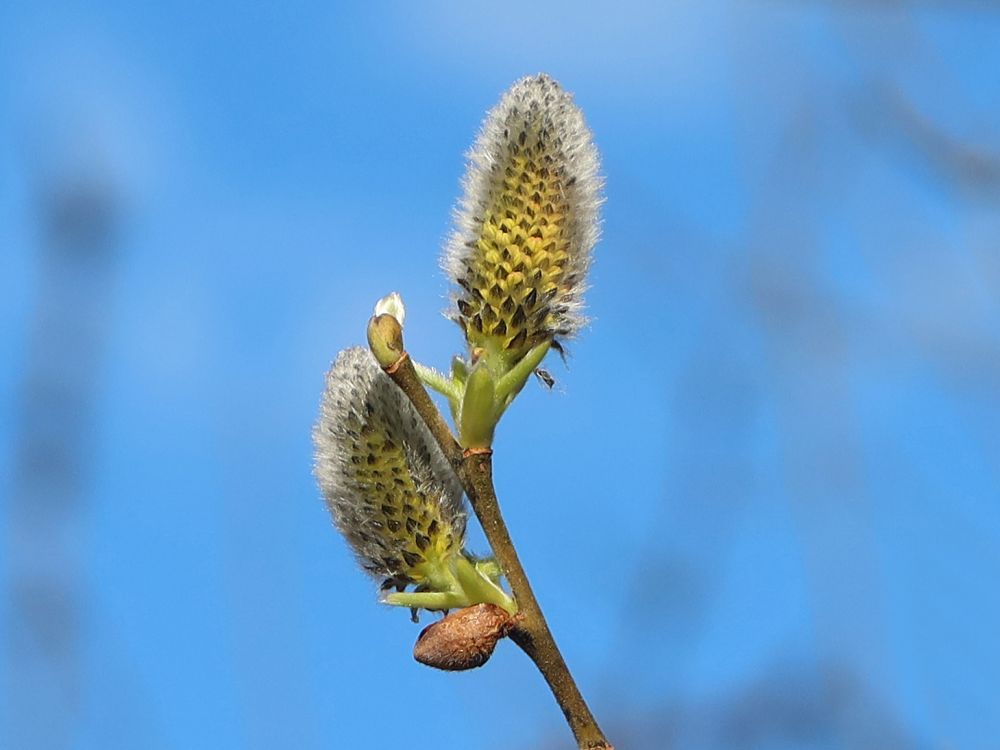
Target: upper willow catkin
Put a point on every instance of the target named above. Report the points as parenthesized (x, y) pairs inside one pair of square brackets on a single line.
[(526, 224), (390, 490)]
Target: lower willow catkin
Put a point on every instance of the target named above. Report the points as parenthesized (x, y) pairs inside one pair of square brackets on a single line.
[(391, 492), (393, 495)]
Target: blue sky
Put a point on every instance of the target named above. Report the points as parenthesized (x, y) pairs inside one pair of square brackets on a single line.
[(771, 463)]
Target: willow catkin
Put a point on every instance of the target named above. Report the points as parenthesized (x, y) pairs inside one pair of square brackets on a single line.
[(386, 483), (526, 224)]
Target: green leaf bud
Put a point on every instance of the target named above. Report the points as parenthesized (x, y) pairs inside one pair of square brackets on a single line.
[(385, 339), (385, 330)]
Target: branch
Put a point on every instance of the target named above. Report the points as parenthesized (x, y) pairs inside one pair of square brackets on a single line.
[(475, 470), (404, 374)]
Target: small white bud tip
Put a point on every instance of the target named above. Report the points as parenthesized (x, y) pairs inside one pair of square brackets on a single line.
[(391, 304)]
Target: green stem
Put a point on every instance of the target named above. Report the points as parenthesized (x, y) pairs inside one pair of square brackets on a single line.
[(437, 381)]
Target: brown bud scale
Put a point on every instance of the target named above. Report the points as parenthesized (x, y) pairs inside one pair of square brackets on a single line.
[(464, 639)]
